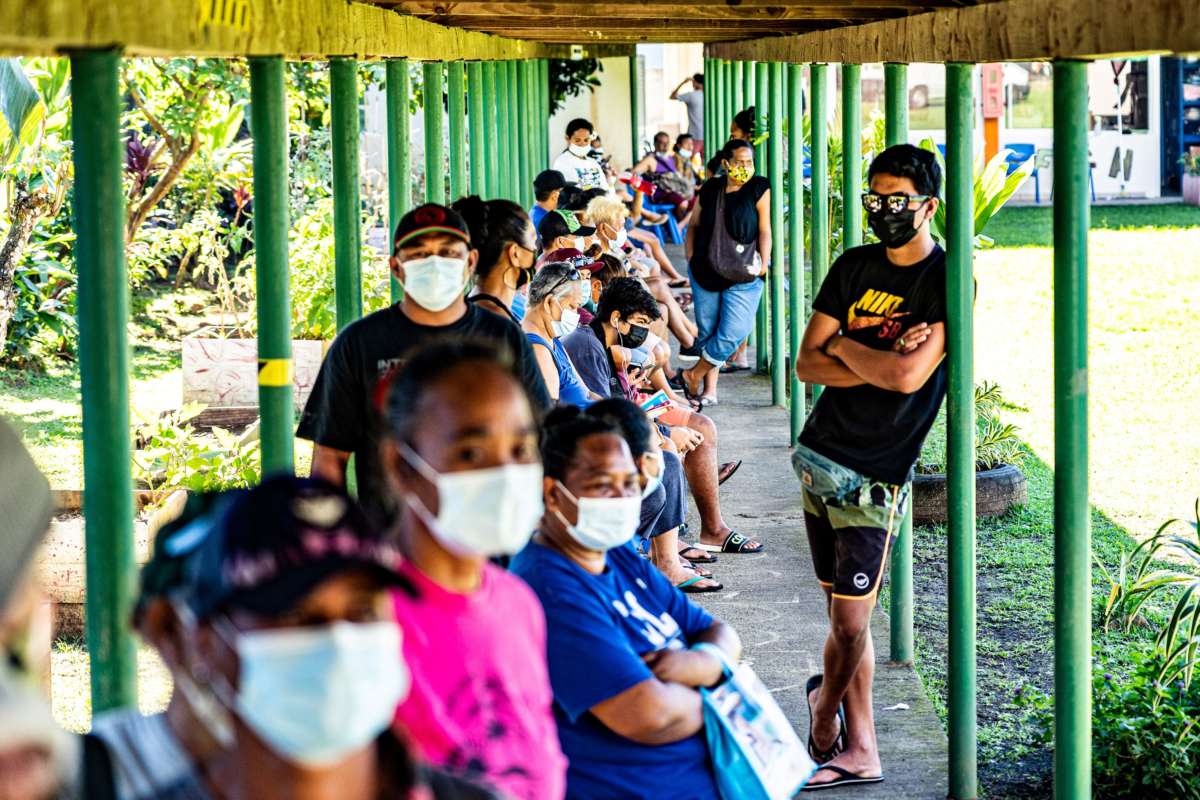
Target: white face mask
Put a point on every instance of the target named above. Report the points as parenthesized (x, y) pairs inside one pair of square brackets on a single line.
[(652, 340), (567, 323), (579, 243), (620, 239), (604, 522), (686, 155), (481, 512), (317, 695), (656, 479), (580, 150), (435, 282)]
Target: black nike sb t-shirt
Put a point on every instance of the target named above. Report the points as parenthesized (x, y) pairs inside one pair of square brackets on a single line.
[(876, 431), (342, 410)]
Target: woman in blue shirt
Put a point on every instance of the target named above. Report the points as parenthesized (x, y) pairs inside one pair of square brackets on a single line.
[(552, 312), (627, 651)]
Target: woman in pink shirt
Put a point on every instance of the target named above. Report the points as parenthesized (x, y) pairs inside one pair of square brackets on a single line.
[(462, 459)]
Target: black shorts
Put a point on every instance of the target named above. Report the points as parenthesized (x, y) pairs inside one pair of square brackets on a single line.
[(850, 540)]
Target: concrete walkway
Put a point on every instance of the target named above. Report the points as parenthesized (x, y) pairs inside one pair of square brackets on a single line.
[(774, 602)]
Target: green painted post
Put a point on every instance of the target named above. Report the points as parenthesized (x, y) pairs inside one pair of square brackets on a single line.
[(268, 126), (543, 114), (851, 156), (901, 612), (525, 112), (475, 126), (712, 84), (347, 205), (636, 111), (775, 283), (795, 239), (819, 156), (493, 127), (457, 115), (718, 99), (748, 96), (515, 133), (960, 429), (739, 93), (1072, 532), (762, 101), (103, 311), (399, 133), (435, 145)]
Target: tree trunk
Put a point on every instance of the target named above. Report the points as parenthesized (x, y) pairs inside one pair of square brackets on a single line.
[(24, 213)]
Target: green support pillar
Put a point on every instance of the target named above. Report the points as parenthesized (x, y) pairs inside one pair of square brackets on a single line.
[(399, 141), (748, 96), (543, 116), (525, 135), (739, 93), (762, 101), (851, 156), (775, 283), (347, 205), (819, 156), (268, 126), (1072, 532), (103, 311), (636, 111), (493, 128), (435, 146), (960, 430), (457, 115), (901, 612), (795, 239), (720, 104), (515, 135), (475, 129), (712, 84)]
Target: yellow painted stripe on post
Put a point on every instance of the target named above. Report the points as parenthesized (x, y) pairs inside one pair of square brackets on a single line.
[(274, 372)]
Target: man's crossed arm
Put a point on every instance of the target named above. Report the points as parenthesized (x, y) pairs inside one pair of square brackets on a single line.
[(830, 359)]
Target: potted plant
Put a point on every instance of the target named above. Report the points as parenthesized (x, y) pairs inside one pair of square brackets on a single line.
[(999, 482), (1191, 177)]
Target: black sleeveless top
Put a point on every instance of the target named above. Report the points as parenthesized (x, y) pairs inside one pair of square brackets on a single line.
[(741, 221)]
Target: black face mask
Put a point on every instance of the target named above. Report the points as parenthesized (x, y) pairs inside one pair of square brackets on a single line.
[(894, 229), (636, 336)]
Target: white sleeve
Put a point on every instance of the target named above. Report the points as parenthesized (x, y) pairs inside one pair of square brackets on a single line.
[(565, 164)]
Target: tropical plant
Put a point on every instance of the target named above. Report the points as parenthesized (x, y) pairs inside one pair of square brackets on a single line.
[(993, 186), (996, 442), (43, 323), (35, 162), (569, 78), (175, 456), (1191, 164)]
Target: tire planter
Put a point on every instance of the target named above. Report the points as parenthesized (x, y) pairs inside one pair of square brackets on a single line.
[(996, 491)]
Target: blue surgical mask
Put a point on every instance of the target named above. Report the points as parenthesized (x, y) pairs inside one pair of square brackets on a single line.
[(317, 695), (519, 304)]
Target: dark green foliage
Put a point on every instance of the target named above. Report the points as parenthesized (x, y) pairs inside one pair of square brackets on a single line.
[(570, 78)]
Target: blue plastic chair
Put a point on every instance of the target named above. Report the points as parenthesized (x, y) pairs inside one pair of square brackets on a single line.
[(669, 231), (1018, 154)]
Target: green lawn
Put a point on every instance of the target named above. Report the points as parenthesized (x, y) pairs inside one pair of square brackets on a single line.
[(1144, 449)]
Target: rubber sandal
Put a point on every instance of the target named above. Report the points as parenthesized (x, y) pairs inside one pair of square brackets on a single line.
[(839, 741), (689, 586), (729, 369), (707, 400), (702, 558), (727, 471), (734, 543), (845, 778)]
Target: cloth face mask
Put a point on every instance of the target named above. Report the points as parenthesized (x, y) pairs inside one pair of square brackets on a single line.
[(894, 229), (580, 150), (435, 282), (740, 174), (604, 522), (481, 512)]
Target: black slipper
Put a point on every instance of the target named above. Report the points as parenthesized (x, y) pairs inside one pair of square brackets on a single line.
[(729, 369), (727, 471), (839, 742), (845, 778), (703, 558)]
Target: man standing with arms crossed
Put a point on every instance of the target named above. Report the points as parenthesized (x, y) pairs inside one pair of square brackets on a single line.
[(876, 341)]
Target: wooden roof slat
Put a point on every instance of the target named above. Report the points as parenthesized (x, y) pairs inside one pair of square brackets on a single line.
[(476, 14)]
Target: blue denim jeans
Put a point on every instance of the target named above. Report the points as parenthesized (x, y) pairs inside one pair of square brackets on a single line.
[(725, 318)]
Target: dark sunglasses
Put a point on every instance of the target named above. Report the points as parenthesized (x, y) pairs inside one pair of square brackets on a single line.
[(895, 203)]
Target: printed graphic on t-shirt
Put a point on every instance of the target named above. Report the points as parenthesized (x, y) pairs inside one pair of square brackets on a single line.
[(877, 309), (589, 177), (489, 727), (662, 631)]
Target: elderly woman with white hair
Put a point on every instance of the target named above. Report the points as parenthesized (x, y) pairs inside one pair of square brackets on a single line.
[(553, 311)]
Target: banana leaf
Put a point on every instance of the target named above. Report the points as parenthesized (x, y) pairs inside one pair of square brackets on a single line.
[(21, 109)]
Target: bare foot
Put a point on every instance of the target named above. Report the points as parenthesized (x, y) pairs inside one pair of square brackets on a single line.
[(859, 762), (677, 573), (824, 731)]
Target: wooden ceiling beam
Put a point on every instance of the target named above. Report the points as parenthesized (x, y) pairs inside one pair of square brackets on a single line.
[(1012, 30), (617, 25), (475, 14), (653, 7)]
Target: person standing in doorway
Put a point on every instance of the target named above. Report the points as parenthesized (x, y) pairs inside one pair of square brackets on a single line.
[(575, 161), (694, 100), (727, 251), (876, 342)]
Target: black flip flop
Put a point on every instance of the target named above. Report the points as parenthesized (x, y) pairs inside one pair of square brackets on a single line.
[(729, 369), (703, 558), (734, 543), (845, 778), (730, 469), (689, 586), (839, 742)]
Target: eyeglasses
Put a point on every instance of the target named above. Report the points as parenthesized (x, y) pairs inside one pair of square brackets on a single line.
[(895, 203), (573, 275)]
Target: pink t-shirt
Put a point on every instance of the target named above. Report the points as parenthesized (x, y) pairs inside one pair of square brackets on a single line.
[(480, 704)]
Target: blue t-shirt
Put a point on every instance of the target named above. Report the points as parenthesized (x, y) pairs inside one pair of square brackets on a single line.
[(571, 391), (536, 214), (597, 628)]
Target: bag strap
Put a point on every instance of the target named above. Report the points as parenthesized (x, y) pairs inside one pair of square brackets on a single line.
[(98, 780)]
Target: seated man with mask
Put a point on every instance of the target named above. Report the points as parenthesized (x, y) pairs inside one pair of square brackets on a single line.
[(270, 608), (433, 259)]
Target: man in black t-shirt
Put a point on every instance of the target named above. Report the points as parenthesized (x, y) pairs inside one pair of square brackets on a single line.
[(876, 342), (432, 258)]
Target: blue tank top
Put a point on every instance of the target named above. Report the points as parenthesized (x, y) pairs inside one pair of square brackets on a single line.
[(571, 390)]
